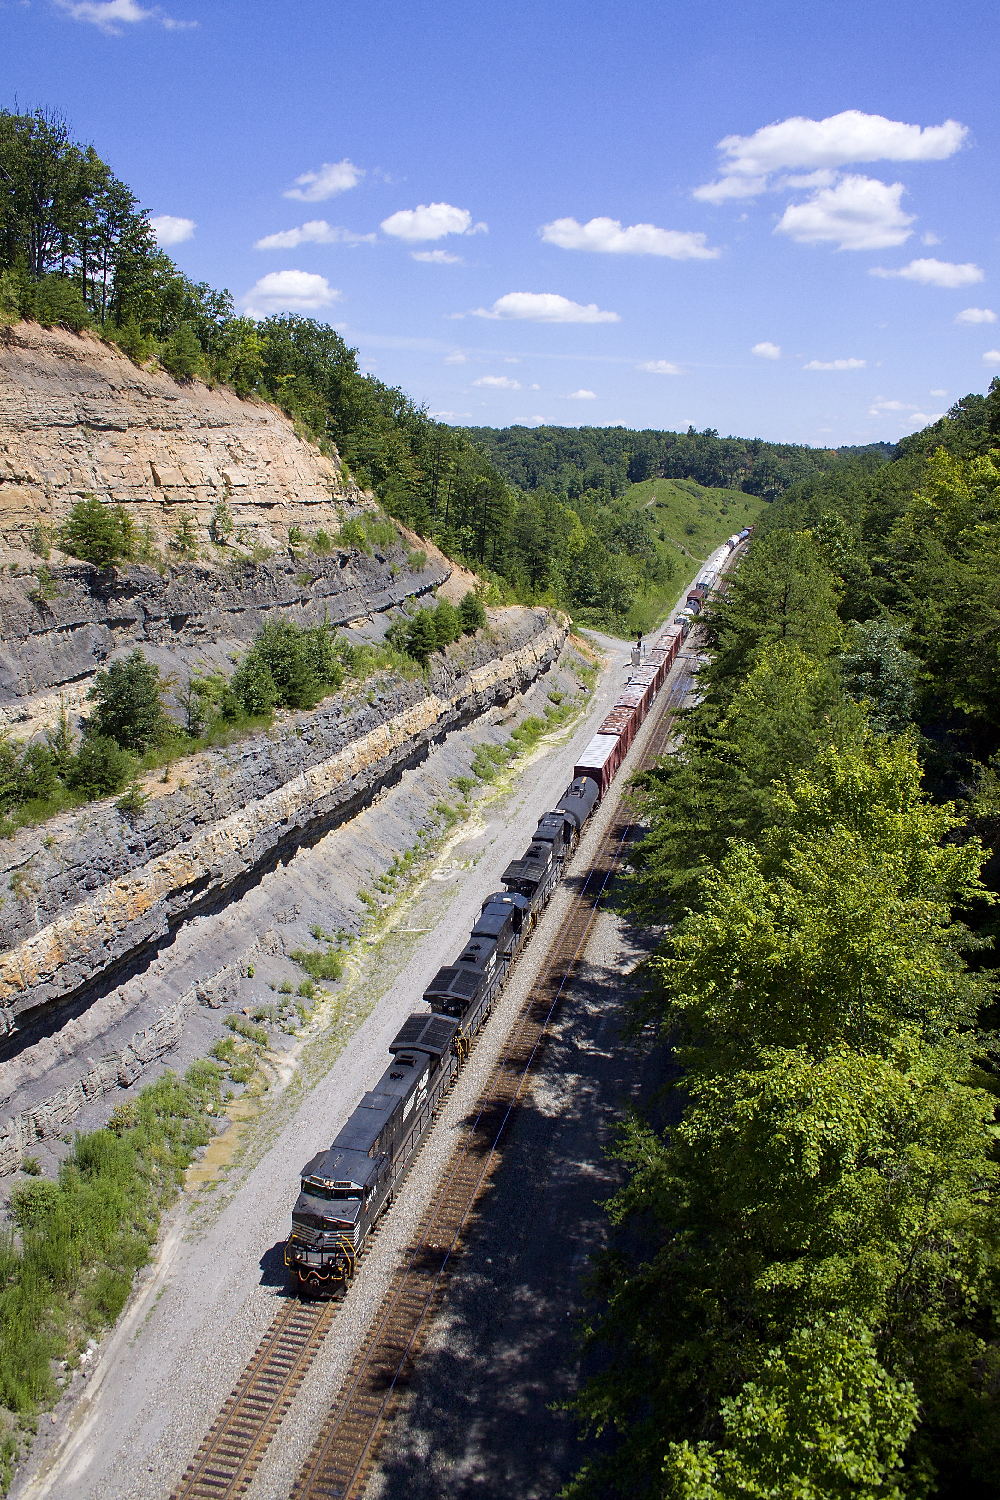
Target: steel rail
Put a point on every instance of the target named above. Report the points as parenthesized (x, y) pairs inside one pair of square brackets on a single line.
[(345, 1449)]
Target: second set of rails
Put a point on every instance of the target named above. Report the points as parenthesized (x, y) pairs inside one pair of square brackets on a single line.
[(344, 1452)]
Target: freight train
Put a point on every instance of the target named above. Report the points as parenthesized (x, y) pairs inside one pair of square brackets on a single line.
[(346, 1187)]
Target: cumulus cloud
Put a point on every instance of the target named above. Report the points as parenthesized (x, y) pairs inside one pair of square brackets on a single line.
[(436, 257), (545, 307), (582, 396), (930, 238), (835, 364), (289, 291), (976, 315), (935, 273), (766, 350), (109, 16), (939, 393), (837, 141), (170, 230), (456, 358), (315, 232), (660, 367), (731, 187), (332, 178), (607, 237), (498, 382), (924, 419), (881, 405), (991, 357), (430, 221), (860, 213)]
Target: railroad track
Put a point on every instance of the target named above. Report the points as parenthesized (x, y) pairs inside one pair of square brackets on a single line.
[(344, 1453)]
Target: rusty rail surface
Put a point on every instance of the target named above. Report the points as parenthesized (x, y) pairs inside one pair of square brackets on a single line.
[(345, 1451)]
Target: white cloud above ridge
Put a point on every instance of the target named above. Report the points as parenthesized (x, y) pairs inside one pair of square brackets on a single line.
[(332, 178), (544, 307), (607, 237), (660, 367), (930, 272), (314, 232), (456, 357), (991, 357), (766, 350), (430, 221), (170, 230), (861, 213), (582, 395), (923, 419), (110, 16), (498, 382), (289, 291), (835, 364), (436, 257), (976, 315)]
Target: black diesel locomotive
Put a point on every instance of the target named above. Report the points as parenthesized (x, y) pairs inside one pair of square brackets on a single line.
[(346, 1188)]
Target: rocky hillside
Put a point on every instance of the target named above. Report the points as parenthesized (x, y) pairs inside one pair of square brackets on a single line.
[(77, 418)]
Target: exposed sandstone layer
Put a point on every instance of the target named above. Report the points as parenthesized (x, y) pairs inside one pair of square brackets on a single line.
[(91, 889), (78, 418)]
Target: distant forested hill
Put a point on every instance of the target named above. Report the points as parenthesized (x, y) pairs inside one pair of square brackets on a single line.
[(573, 460)]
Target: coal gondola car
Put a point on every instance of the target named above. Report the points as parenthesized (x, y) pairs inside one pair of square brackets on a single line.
[(344, 1189)]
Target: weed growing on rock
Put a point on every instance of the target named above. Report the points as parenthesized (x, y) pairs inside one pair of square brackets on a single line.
[(319, 965), (80, 1240)]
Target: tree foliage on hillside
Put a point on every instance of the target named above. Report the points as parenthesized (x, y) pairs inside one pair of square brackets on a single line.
[(802, 1296)]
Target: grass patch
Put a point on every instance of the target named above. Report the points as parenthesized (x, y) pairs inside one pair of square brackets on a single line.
[(81, 1239), (319, 964)]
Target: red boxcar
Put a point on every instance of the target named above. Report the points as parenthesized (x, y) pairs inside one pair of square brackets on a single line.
[(601, 760), (622, 721)]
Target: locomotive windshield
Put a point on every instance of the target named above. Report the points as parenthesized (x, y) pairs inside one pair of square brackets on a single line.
[(313, 1190)]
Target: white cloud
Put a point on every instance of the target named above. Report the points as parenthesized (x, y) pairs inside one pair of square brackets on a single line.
[(456, 358), (582, 396), (991, 357), (609, 238), (730, 187), (881, 405), (860, 212), (110, 15), (440, 416), (534, 387), (430, 221), (315, 232), (922, 419), (498, 382), (332, 178), (767, 350), (545, 307), (938, 393), (930, 238), (289, 291), (660, 367), (835, 364), (935, 273), (976, 315), (436, 257), (837, 141), (170, 230)]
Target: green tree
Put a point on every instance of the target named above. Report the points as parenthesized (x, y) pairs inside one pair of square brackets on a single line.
[(471, 613), (447, 626), (182, 355), (101, 767), (128, 709), (421, 637), (99, 534)]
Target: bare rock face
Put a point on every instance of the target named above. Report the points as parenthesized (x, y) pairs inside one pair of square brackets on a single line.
[(77, 418)]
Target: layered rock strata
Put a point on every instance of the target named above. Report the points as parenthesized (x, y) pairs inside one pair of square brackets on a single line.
[(78, 418), (53, 642), (91, 889)]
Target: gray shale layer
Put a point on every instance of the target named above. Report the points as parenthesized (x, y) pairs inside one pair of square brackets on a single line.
[(92, 892)]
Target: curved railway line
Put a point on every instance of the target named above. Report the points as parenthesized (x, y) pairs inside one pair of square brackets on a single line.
[(345, 1450)]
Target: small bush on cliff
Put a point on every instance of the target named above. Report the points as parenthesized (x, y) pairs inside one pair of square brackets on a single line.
[(99, 534), (100, 768), (288, 666), (27, 773), (129, 710), (181, 356), (472, 613)]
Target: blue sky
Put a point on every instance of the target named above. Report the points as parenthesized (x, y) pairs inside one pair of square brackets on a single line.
[(522, 212)]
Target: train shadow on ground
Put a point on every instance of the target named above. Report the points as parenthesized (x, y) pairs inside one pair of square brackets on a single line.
[(482, 1413)]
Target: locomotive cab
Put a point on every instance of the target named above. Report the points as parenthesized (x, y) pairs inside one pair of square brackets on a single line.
[(557, 829)]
